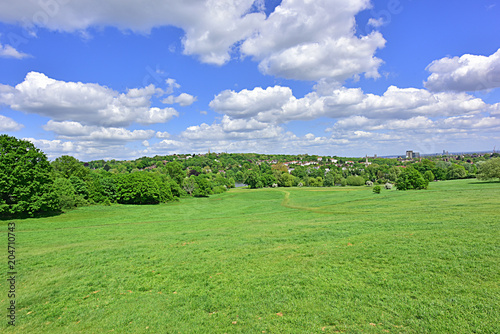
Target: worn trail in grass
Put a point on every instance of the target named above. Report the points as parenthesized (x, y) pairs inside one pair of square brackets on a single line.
[(295, 260)]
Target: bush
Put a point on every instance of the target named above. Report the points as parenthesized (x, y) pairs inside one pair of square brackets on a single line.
[(377, 189), (355, 180), (219, 189)]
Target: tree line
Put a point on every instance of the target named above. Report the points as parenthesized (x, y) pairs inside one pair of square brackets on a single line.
[(30, 184)]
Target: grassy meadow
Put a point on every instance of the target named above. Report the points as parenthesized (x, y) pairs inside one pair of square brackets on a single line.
[(283, 260)]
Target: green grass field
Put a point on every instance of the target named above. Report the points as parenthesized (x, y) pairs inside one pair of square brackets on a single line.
[(286, 260)]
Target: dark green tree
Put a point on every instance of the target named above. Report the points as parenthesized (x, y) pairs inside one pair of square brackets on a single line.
[(456, 172), (489, 169), (67, 166), (203, 188), (176, 172), (410, 178), (138, 188), (429, 176), (25, 179)]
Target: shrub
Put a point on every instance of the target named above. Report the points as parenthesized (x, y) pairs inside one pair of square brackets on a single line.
[(355, 180), (377, 189)]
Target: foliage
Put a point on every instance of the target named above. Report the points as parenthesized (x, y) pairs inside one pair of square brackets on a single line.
[(142, 188), (189, 184), (253, 180), (25, 181), (353, 180), (489, 169), (377, 189), (456, 172), (410, 178), (429, 176), (67, 196), (202, 188), (67, 166)]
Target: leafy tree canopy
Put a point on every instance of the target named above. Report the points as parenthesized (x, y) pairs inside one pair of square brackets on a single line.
[(25, 181), (410, 178), (489, 169)]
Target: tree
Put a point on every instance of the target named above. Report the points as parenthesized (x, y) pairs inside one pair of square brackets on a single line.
[(329, 179), (253, 180), (429, 176), (203, 188), (489, 169), (176, 172), (67, 195), (411, 178), (25, 179), (189, 184), (456, 172), (138, 188), (67, 166)]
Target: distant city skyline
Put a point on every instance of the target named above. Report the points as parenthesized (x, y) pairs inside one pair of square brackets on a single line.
[(122, 80)]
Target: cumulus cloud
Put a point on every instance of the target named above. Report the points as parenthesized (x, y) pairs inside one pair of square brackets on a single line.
[(86, 103), (183, 99), (305, 40), (7, 51), (211, 26), (277, 104), (464, 74), (77, 131), (251, 103), (8, 124), (310, 40)]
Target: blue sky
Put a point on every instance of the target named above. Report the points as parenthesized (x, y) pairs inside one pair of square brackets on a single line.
[(124, 79)]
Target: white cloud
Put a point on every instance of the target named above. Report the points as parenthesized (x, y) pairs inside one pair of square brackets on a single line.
[(301, 39), (376, 22), (310, 40), (8, 124), (162, 135), (171, 85), (7, 51), (183, 99), (211, 26), (77, 131), (465, 73), (251, 103), (277, 105), (86, 103)]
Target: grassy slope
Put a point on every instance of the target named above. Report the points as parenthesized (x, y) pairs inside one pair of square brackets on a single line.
[(287, 260)]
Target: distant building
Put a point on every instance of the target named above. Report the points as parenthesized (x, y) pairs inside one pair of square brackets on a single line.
[(412, 155)]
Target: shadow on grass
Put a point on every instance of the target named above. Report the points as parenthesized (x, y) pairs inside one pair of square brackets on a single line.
[(485, 181), (27, 216)]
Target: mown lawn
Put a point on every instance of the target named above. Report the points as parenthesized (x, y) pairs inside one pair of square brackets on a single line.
[(286, 260)]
